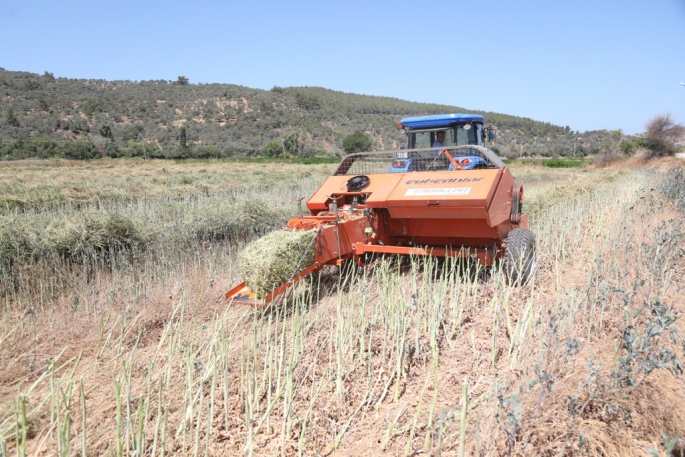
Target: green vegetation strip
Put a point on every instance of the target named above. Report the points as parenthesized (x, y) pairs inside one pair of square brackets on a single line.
[(561, 163), (297, 160)]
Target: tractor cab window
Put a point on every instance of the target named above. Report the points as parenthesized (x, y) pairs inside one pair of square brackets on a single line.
[(461, 135), (469, 134), (420, 140)]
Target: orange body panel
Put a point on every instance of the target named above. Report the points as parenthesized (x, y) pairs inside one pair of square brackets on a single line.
[(450, 189), (379, 188), (449, 208), (499, 208)]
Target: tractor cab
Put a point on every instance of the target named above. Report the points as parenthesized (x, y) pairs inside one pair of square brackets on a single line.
[(457, 130), (443, 131)]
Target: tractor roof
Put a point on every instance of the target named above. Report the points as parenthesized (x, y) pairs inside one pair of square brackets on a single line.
[(439, 120)]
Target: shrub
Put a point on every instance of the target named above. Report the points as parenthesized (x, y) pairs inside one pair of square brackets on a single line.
[(132, 149), (273, 148), (291, 143), (673, 186), (78, 150), (357, 142), (631, 146), (207, 152), (607, 158), (661, 135)]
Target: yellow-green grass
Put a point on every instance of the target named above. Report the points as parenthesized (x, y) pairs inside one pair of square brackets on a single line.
[(47, 184), (170, 209)]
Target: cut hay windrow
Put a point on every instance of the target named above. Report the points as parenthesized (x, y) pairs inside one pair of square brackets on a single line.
[(14, 244), (275, 258), (94, 232)]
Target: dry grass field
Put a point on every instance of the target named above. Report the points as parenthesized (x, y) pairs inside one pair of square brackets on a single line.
[(115, 338)]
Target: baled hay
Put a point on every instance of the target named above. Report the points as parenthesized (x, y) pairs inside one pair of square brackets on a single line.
[(273, 259)]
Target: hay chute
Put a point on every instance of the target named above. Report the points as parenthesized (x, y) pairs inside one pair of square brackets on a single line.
[(275, 258)]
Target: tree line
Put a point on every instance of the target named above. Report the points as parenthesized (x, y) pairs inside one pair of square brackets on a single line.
[(48, 116)]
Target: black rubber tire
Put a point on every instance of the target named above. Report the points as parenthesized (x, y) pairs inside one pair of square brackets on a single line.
[(519, 256)]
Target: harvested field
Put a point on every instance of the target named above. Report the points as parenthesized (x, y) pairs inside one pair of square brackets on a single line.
[(115, 338)]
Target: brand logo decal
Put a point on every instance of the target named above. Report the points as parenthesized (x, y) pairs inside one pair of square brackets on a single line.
[(437, 191), (442, 181)]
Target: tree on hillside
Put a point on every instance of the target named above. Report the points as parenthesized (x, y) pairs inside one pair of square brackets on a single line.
[(182, 138), (43, 105), (10, 118), (183, 81), (357, 142), (307, 101), (106, 131), (291, 143), (661, 135)]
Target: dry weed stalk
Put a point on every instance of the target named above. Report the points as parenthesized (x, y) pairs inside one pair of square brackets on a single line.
[(415, 356)]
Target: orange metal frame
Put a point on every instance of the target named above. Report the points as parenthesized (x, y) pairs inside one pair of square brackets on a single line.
[(242, 295), (483, 255)]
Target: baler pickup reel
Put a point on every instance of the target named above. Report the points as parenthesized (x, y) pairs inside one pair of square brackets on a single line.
[(453, 201)]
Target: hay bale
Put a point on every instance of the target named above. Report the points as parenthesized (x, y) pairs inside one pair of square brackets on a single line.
[(273, 259)]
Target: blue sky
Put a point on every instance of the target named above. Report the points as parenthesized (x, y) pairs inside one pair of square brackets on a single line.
[(587, 64)]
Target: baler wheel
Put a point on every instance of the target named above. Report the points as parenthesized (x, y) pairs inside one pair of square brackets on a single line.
[(519, 257)]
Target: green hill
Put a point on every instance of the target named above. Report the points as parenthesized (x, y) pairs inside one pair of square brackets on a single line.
[(44, 116)]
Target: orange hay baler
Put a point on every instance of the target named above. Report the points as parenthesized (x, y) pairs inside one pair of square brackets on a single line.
[(457, 200)]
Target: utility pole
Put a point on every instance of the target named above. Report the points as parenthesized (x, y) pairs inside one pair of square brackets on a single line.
[(280, 134), (142, 140)]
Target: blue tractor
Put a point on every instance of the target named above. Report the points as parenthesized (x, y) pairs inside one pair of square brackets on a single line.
[(428, 136)]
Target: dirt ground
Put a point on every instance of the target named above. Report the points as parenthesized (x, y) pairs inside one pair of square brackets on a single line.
[(584, 360)]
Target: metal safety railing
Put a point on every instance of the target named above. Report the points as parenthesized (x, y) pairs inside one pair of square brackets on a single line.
[(418, 160)]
